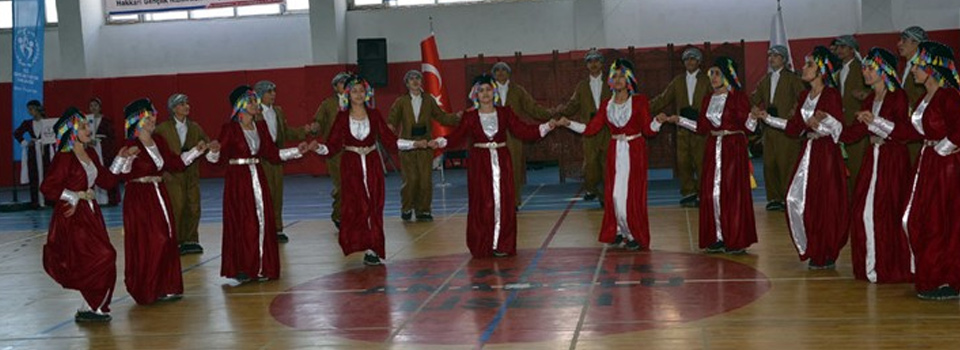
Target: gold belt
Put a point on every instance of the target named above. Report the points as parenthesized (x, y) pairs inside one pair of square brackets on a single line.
[(490, 145), (877, 140), (87, 195), (931, 143), (360, 150), (814, 135), (625, 137), (148, 179), (244, 161), (725, 132)]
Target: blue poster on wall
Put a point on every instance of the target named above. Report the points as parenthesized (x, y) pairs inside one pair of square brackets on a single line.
[(28, 26)]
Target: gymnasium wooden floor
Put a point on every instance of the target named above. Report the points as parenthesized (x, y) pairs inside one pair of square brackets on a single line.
[(563, 291)]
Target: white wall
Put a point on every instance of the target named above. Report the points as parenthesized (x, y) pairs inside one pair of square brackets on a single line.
[(492, 28), (202, 46), (645, 23), (882, 16), (933, 14)]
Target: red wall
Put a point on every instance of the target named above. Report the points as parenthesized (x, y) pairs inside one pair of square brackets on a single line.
[(300, 90)]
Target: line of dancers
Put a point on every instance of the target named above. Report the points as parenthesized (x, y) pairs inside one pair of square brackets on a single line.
[(902, 217)]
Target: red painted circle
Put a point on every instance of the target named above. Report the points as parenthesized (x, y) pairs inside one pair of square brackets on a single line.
[(434, 301)]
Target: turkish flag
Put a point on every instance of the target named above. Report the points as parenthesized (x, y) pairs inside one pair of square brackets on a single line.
[(432, 81)]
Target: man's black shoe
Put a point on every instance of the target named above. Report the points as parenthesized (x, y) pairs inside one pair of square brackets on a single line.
[(715, 247), (90, 316), (170, 297), (371, 260), (424, 217), (618, 240), (690, 201)]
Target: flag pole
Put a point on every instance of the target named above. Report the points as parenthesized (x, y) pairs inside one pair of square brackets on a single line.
[(443, 155)]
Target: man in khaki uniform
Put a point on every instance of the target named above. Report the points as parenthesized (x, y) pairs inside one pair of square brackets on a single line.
[(183, 188), (582, 107), (326, 114), (853, 90), (518, 99), (412, 116), (281, 133), (686, 92), (908, 45), (777, 93)]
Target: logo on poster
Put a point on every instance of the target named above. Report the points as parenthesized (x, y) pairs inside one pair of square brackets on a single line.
[(28, 49)]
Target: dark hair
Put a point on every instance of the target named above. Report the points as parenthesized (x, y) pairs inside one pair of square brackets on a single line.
[(65, 119), (939, 57), (728, 67), (831, 63), (622, 63), (34, 103), (130, 113), (483, 79)]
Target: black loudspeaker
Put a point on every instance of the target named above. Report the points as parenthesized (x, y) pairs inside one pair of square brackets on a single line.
[(372, 60)]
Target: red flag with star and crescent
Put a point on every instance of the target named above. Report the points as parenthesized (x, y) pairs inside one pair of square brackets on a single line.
[(432, 80)]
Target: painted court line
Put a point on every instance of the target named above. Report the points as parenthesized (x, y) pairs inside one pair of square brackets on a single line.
[(531, 196), (492, 326), (586, 303), (426, 302)]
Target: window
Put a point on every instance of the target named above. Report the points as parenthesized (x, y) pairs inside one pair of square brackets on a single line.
[(212, 13), (396, 3), (166, 16), (50, 6), (268, 9), (6, 13), (298, 5), (289, 6)]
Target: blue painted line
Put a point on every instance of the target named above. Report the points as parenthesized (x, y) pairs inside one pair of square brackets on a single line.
[(492, 326), (126, 297), (58, 326)]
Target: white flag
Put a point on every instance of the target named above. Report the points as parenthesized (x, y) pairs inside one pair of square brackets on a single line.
[(778, 36)]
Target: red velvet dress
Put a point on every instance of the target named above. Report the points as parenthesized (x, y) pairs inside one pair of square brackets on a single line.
[(489, 181), (817, 196), (932, 216), (78, 254), (626, 173), (249, 233), (879, 246), (152, 257), (726, 208), (361, 182)]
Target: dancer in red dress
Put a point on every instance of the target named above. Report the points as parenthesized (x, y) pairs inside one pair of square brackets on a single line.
[(356, 131), (880, 251), (627, 115), (931, 215), (250, 248), (726, 208), (78, 254), (817, 196), (492, 215), (151, 255)]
